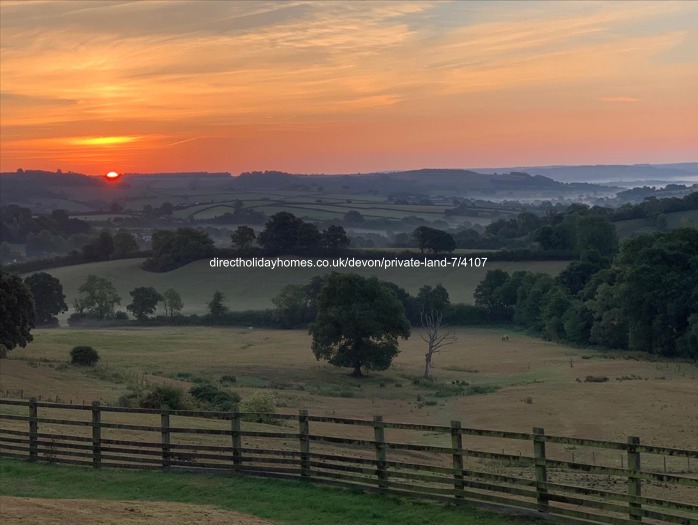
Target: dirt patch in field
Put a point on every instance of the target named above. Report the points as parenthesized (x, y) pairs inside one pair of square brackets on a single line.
[(28, 511)]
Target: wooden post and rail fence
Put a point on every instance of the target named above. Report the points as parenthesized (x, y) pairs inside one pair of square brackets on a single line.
[(326, 449)]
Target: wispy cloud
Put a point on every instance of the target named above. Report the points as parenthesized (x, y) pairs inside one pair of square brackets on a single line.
[(183, 141), (619, 99)]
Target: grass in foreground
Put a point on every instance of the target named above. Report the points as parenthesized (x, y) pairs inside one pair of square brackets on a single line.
[(283, 501)]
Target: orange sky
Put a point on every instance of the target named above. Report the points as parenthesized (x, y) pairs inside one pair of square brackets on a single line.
[(344, 87)]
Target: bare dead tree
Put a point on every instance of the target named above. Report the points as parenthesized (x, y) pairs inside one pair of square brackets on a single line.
[(435, 334)]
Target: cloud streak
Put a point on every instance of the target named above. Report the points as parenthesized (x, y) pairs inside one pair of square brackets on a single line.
[(619, 99)]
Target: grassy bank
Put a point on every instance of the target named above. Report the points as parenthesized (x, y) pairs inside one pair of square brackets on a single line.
[(282, 501)]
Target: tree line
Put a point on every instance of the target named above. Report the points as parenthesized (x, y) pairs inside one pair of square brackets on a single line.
[(643, 299)]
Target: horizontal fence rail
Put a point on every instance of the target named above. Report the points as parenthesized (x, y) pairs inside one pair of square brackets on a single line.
[(571, 479)]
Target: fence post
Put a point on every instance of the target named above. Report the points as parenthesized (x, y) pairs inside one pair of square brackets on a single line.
[(634, 483), (304, 436), (381, 456), (457, 446), (237, 438), (96, 435), (33, 430), (541, 469), (165, 427)]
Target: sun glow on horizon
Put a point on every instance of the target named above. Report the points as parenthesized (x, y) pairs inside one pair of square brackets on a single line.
[(101, 141), (112, 175)]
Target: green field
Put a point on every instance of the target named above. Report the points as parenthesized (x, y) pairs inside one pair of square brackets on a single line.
[(632, 227), (254, 288), (309, 208), (288, 502)]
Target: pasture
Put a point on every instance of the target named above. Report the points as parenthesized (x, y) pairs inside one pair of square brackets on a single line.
[(525, 382), (254, 288), (482, 381)]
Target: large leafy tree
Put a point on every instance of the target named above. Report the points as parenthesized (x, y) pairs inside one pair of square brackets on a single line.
[(296, 305), (124, 243), (99, 298), (358, 324), (172, 302), (488, 295), (433, 240), (17, 315), (101, 248), (334, 240), (658, 289), (531, 298), (145, 301), (433, 299), (49, 299), (281, 234), (217, 310), (172, 249), (243, 237)]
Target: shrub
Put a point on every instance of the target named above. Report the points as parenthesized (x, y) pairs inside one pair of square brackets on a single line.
[(262, 405), (158, 396), (595, 379), (480, 390), (84, 356), (214, 398), (130, 400)]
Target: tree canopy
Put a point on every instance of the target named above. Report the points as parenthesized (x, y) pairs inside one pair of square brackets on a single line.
[(98, 298), (433, 240), (17, 314), (172, 249), (216, 308), (172, 302), (433, 299), (286, 234), (243, 237), (646, 300), (49, 299), (358, 323), (145, 301)]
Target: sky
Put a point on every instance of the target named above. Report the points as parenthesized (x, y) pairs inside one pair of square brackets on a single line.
[(345, 87)]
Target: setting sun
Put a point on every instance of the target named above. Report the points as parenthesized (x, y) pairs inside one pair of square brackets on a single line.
[(112, 175)]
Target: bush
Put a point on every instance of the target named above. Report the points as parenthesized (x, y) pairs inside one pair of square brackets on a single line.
[(130, 400), (214, 398), (84, 356), (158, 396), (262, 405), (595, 379)]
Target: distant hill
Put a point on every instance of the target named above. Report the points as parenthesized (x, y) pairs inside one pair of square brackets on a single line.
[(639, 173), (37, 188), (416, 181)]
